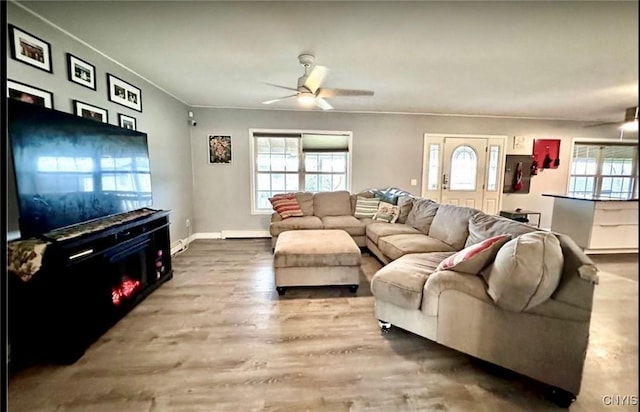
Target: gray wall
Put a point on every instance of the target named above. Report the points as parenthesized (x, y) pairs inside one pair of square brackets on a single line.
[(164, 118), (387, 151)]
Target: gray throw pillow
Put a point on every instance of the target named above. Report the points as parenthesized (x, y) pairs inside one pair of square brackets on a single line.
[(422, 213)]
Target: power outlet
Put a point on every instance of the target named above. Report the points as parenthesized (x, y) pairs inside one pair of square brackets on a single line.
[(187, 223), (414, 182)]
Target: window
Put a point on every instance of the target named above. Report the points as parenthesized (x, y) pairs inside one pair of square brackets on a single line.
[(464, 166), (434, 166), (604, 169), (291, 162), (492, 176)]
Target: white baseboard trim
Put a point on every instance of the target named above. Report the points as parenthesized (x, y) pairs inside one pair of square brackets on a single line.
[(182, 244), (240, 234), (207, 235)]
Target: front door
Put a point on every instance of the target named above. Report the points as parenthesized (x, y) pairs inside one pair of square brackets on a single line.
[(464, 170), (463, 167)]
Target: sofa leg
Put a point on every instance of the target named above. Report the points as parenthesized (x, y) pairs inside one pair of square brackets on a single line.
[(562, 398), (281, 290), (353, 288), (384, 326)]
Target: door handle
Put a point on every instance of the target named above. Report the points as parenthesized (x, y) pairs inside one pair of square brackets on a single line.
[(444, 181)]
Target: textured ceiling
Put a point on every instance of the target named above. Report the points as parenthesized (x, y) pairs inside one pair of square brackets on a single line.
[(559, 60)]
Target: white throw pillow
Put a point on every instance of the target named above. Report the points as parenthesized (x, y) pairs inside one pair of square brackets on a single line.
[(387, 212), (526, 271)]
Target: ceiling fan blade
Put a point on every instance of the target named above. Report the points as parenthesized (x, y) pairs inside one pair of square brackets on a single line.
[(282, 87), (323, 104), (315, 78), (343, 92), (281, 98), (602, 124)]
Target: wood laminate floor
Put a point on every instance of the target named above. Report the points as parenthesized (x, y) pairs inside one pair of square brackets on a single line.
[(218, 338)]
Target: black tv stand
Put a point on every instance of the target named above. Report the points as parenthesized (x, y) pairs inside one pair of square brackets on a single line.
[(91, 276)]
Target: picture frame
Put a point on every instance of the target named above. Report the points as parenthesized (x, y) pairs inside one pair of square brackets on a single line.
[(29, 49), (124, 93), (89, 111), (219, 149), (546, 153), (127, 122), (81, 71), (29, 94)]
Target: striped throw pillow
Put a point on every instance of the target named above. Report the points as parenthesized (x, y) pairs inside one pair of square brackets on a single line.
[(366, 207), (476, 257), (286, 206)]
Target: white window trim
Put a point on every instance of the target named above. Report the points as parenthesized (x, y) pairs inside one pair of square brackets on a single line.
[(252, 159)]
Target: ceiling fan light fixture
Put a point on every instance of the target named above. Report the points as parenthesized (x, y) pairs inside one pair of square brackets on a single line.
[(306, 99), (631, 119)]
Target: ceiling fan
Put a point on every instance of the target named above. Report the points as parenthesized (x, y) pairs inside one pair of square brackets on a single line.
[(309, 91), (630, 120), (630, 123)]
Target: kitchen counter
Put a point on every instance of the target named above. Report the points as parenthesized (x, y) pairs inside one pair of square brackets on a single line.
[(592, 198), (597, 224)]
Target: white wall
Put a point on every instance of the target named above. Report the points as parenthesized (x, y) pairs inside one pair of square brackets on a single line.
[(163, 118), (387, 151)]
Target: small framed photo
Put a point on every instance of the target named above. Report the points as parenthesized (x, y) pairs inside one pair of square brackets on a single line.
[(81, 72), (124, 93), (127, 122), (29, 49), (219, 149), (90, 112), (29, 94)]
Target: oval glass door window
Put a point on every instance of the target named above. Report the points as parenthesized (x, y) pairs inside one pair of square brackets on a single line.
[(464, 167)]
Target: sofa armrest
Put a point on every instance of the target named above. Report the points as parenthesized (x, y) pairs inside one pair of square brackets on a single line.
[(579, 276), (275, 217)]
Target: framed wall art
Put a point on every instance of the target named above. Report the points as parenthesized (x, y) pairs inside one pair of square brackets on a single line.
[(81, 72), (219, 149), (29, 94), (546, 153), (124, 93), (29, 49), (127, 122), (90, 112)]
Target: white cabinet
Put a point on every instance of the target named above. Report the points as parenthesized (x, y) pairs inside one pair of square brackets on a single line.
[(598, 226)]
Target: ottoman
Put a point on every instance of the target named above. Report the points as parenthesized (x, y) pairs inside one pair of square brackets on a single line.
[(315, 258)]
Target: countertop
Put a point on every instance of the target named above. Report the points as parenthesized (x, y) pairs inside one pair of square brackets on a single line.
[(592, 198)]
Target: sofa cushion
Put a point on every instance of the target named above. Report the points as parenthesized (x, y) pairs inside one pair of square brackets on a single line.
[(332, 204), (387, 213), (366, 207), (286, 206), (401, 281), (395, 246), (376, 230), (349, 224), (451, 224), (295, 223), (405, 204), (526, 271), (422, 213), (476, 257), (483, 226), (305, 199)]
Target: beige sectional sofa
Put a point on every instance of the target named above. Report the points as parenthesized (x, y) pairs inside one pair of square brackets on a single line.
[(529, 311)]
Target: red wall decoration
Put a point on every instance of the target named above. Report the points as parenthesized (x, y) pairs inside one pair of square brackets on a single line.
[(546, 153)]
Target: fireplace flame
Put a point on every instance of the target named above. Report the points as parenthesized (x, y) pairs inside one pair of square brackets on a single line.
[(125, 290)]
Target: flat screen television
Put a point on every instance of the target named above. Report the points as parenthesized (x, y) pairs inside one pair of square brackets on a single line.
[(70, 170)]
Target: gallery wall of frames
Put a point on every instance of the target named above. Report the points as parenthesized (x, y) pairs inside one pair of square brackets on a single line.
[(32, 50)]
